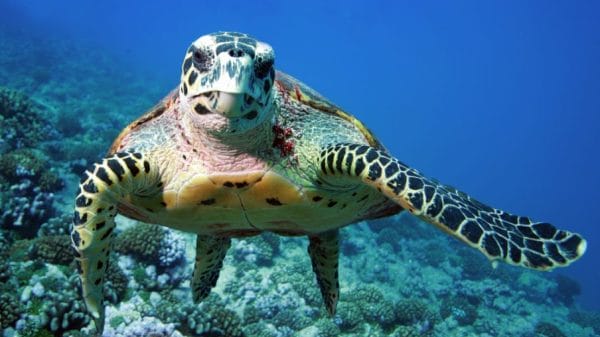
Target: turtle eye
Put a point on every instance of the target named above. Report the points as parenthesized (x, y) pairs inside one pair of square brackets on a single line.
[(263, 67), (202, 59)]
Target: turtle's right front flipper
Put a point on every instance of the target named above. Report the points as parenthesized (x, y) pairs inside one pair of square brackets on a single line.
[(93, 222), (499, 235)]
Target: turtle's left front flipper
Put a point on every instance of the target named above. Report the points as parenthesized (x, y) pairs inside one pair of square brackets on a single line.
[(100, 191), (497, 234)]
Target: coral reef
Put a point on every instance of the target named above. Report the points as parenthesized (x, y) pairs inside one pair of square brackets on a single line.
[(327, 328), (209, 318), (259, 249), (151, 244), (348, 316), (397, 275), (145, 327), (29, 164), (548, 330), (21, 121), (5, 243), (53, 249), (142, 241), (62, 309), (460, 309), (58, 225), (389, 236), (27, 195), (567, 288), (474, 265), (25, 207), (10, 310), (406, 331), (414, 312), (115, 287), (587, 319), (434, 254)]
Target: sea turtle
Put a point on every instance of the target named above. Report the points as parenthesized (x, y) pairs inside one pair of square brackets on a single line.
[(240, 148)]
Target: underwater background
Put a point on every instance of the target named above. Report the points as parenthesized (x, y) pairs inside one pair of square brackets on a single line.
[(499, 99)]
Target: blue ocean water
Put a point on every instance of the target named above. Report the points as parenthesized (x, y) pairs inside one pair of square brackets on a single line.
[(499, 99)]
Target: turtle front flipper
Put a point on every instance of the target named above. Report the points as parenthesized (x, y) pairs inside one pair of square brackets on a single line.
[(499, 235), (210, 252), (100, 191)]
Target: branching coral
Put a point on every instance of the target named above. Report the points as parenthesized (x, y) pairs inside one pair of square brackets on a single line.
[(145, 327), (369, 303), (259, 329), (58, 225), (53, 249), (259, 249), (327, 328), (26, 201), (405, 331), (413, 311), (382, 314), (10, 310), (22, 163), (64, 310), (142, 241), (152, 244), (214, 322), (209, 318), (289, 318), (115, 287), (548, 330), (464, 312), (348, 316), (20, 120), (5, 244)]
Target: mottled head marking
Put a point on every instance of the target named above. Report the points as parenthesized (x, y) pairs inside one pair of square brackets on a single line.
[(229, 74)]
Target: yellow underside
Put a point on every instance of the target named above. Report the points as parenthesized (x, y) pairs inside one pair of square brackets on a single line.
[(245, 204)]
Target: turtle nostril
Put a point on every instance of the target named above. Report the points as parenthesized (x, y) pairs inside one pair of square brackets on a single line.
[(248, 99), (236, 52)]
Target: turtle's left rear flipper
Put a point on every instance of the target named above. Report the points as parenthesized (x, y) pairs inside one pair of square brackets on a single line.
[(497, 234), (324, 251), (210, 252)]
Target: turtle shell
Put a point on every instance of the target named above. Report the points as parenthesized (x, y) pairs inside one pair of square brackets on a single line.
[(302, 93)]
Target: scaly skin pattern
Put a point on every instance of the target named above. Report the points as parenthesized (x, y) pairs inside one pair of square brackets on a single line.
[(239, 148)]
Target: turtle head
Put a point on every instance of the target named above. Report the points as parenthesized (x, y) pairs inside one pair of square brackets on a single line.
[(227, 82)]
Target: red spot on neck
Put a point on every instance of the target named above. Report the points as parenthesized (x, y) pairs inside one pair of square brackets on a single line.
[(281, 142)]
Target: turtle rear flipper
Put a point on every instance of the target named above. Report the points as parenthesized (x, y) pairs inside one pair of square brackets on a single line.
[(324, 251), (210, 252), (100, 191), (497, 234)]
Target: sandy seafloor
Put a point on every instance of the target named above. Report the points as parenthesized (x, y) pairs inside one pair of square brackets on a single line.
[(61, 107)]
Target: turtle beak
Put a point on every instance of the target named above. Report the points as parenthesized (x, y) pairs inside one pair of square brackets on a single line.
[(230, 105)]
